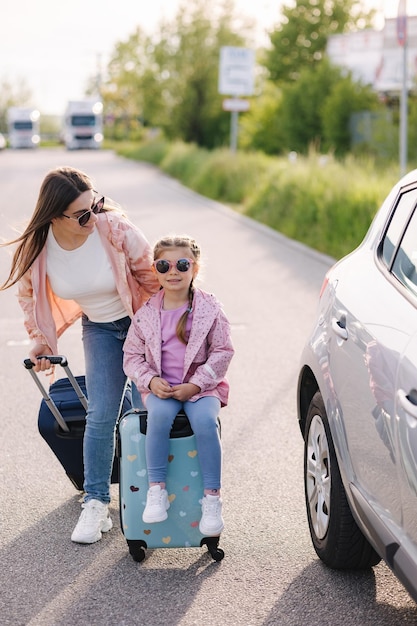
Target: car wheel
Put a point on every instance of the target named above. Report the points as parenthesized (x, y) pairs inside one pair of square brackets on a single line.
[(336, 537)]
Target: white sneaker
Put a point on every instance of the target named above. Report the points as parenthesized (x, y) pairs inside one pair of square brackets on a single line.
[(93, 521), (157, 504), (211, 523)]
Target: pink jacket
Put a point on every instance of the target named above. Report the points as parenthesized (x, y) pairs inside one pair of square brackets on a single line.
[(47, 316), (207, 355)]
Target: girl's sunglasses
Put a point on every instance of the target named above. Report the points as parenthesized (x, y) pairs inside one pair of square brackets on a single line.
[(85, 217), (163, 266)]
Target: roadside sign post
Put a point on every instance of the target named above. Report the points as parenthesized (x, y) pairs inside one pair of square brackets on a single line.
[(234, 130), (235, 106), (236, 71)]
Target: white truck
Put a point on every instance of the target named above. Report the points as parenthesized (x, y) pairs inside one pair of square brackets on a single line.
[(83, 124), (23, 127)]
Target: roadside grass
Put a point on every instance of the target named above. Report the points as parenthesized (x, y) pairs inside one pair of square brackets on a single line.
[(150, 151), (322, 202)]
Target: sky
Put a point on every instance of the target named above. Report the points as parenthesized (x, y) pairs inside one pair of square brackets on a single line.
[(55, 47)]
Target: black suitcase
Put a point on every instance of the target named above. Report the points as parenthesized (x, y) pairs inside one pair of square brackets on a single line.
[(61, 420)]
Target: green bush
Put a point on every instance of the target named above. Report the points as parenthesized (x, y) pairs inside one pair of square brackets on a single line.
[(230, 177), (322, 202), (217, 174), (184, 161), (151, 151)]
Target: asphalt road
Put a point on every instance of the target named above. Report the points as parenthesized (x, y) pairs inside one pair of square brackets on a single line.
[(270, 574)]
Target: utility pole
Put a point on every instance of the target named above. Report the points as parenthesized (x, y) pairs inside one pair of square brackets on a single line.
[(402, 41)]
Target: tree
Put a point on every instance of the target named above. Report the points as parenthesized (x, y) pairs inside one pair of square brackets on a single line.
[(170, 80), (317, 108), (300, 40), (261, 126), (345, 98), (12, 94), (188, 57), (302, 105), (132, 92)]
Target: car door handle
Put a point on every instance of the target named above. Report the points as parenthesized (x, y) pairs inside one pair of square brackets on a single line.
[(409, 407), (339, 330)]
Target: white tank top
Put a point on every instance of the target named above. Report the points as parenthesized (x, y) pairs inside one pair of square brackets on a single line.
[(86, 276)]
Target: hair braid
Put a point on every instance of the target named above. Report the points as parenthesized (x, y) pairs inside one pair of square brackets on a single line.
[(182, 322)]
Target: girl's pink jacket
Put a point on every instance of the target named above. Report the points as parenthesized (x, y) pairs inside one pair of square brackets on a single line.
[(207, 355), (47, 316)]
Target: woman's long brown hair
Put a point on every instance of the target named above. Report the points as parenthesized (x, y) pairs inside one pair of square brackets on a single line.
[(59, 189)]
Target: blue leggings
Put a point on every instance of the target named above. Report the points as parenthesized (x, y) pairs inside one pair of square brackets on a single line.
[(202, 416)]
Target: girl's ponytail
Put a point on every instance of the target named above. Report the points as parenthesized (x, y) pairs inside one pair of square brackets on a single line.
[(182, 322)]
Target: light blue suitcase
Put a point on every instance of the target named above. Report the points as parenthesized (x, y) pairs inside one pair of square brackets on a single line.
[(184, 486)]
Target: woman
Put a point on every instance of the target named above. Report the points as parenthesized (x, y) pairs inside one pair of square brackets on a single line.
[(80, 256)]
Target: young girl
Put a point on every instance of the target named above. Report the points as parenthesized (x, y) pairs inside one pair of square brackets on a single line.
[(177, 352)]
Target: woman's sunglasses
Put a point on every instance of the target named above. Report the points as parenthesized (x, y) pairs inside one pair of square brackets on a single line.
[(85, 217), (163, 266)]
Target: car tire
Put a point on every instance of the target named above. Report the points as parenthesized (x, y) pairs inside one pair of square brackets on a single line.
[(336, 537)]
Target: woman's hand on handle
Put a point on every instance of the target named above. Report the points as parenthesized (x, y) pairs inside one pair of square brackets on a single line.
[(40, 365)]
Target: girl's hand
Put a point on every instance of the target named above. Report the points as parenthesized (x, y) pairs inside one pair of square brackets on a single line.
[(185, 391), (160, 388), (40, 365)]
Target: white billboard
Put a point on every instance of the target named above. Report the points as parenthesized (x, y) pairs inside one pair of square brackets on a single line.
[(377, 57)]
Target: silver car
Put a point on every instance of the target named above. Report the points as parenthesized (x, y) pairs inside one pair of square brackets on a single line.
[(357, 399)]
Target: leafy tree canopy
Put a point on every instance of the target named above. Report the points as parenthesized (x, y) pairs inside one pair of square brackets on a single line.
[(13, 94), (170, 80), (261, 127), (300, 39), (316, 109)]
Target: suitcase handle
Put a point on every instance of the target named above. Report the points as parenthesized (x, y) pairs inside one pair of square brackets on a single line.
[(56, 360)]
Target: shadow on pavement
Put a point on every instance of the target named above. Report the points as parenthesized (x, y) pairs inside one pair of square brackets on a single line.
[(320, 590), (46, 579)]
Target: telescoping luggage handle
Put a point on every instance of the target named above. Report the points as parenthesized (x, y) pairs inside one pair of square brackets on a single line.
[(56, 360)]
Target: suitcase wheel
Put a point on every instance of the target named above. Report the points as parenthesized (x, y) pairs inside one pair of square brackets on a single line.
[(136, 550), (212, 544)]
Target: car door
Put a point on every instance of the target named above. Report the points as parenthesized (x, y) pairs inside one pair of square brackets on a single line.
[(404, 268), (372, 323), (407, 437)]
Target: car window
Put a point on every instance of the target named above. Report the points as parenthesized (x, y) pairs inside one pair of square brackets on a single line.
[(404, 266), (398, 222)]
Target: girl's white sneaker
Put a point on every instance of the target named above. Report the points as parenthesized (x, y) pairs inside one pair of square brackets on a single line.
[(211, 523), (157, 504)]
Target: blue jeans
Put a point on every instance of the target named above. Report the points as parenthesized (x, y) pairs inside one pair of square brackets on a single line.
[(105, 381), (202, 416)]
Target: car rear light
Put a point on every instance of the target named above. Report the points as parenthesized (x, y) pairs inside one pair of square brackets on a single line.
[(324, 285)]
